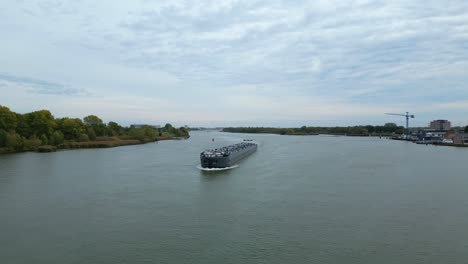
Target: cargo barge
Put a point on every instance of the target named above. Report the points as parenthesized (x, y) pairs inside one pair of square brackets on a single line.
[(226, 156)]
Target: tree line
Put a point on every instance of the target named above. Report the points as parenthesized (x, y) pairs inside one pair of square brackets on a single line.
[(23, 132), (387, 129)]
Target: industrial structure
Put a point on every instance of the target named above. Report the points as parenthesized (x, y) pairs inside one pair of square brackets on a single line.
[(408, 116), (439, 132)]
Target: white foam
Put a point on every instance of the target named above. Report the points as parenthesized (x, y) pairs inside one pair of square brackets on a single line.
[(216, 169)]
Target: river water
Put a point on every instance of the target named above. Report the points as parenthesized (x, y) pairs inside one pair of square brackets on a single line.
[(298, 199)]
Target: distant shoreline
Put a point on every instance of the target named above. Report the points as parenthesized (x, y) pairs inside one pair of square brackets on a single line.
[(298, 134), (387, 130), (313, 134)]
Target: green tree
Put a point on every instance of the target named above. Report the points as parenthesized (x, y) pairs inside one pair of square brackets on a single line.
[(8, 120), (44, 140), (92, 120), (370, 129), (57, 138), (3, 137), (91, 133), (96, 123), (71, 128), (390, 127), (169, 128), (41, 122), (182, 132), (83, 138), (137, 133), (358, 130), (400, 130), (14, 142), (466, 129), (31, 143), (114, 129), (23, 127), (150, 133)]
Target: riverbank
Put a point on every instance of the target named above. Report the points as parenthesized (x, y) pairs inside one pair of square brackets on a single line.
[(451, 145), (432, 143), (41, 131), (111, 143), (89, 145)]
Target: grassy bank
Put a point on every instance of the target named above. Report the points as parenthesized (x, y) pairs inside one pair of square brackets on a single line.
[(99, 144), (88, 145), (111, 143)]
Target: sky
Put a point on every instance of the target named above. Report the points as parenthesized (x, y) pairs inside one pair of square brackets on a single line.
[(237, 62)]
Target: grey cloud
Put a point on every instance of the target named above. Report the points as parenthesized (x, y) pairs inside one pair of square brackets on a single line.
[(359, 51), (43, 87)]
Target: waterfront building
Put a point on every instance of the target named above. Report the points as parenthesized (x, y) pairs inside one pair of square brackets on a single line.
[(440, 125), (460, 138)]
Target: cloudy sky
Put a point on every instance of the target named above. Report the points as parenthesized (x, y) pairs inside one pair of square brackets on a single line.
[(237, 62)]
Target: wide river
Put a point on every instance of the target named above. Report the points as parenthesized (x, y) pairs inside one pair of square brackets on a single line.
[(298, 199)]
